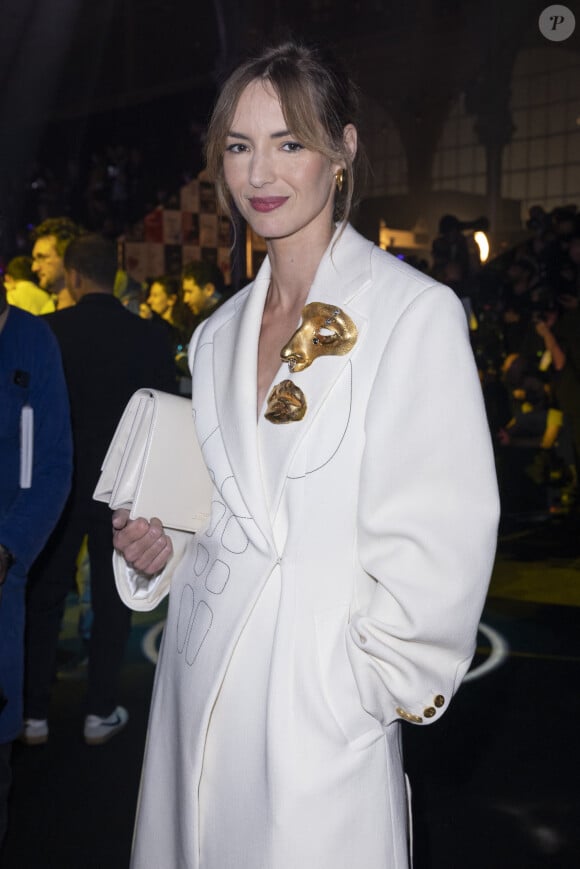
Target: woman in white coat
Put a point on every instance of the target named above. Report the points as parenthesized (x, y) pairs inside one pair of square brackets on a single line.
[(337, 589)]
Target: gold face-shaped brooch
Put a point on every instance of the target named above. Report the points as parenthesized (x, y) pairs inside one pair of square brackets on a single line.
[(325, 331), (286, 403)]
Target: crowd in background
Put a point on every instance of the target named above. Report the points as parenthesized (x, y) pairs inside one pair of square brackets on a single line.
[(177, 303), (522, 307), (524, 316)]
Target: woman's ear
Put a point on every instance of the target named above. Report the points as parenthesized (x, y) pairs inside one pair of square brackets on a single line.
[(350, 136)]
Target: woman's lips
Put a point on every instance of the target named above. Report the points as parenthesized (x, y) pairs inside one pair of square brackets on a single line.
[(267, 203)]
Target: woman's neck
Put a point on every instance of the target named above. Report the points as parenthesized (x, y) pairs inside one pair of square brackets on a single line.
[(294, 262)]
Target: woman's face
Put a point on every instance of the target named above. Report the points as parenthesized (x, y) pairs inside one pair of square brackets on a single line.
[(280, 187), (159, 301)]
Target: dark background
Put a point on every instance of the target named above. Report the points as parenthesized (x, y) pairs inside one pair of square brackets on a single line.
[(495, 783), (79, 76)]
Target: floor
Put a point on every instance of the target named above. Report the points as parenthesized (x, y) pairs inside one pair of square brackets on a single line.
[(495, 782)]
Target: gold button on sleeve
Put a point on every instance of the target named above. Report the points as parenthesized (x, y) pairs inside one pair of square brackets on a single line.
[(439, 701), (408, 716), (429, 712)]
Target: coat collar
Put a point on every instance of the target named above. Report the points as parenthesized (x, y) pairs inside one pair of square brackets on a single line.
[(343, 272), (235, 373)]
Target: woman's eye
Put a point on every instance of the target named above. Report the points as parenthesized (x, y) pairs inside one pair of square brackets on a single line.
[(236, 148), (293, 147)]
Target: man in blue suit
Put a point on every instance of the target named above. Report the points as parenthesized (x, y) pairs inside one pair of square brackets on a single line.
[(35, 474)]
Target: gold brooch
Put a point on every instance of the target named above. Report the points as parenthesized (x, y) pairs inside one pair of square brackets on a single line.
[(325, 331), (286, 403)]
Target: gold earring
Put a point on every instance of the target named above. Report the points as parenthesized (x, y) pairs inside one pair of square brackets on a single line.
[(339, 178)]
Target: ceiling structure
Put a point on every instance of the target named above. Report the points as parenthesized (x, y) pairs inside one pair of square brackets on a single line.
[(63, 61), (87, 57)]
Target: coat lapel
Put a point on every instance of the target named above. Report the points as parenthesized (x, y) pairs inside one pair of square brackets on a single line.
[(235, 372), (343, 274)]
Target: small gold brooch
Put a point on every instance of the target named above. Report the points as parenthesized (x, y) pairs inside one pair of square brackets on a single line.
[(286, 403)]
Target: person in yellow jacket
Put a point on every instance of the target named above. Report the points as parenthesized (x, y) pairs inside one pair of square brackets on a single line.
[(21, 290)]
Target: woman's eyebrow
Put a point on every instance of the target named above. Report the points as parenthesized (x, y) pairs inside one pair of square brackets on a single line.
[(280, 135)]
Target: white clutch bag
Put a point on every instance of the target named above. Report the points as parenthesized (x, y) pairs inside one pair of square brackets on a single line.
[(154, 465)]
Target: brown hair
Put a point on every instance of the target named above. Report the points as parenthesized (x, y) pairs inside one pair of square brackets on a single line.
[(317, 98), (62, 228), (94, 257)]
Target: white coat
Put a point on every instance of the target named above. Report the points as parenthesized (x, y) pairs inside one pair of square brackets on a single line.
[(336, 591)]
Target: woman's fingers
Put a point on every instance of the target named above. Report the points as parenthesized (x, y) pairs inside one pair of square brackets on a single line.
[(120, 519), (156, 556), (143, 544), (131, 532)]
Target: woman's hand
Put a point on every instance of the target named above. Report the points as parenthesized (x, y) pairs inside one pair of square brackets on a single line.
[(143, 544)]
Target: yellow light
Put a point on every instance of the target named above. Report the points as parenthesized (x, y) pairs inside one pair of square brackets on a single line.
[(482, 242)]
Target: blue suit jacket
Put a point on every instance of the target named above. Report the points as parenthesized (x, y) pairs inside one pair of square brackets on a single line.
[(30, 374)]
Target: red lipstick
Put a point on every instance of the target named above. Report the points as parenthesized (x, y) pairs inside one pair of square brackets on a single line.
[(267, 203)]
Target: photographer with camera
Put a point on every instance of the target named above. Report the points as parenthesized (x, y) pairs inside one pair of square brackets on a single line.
[(550, 346)]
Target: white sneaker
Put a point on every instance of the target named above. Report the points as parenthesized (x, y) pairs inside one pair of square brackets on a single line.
[(35, 731), (99, 730)]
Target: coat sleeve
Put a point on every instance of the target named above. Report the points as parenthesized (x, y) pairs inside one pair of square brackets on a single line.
[(144, 593), (34, 512), (427, 516), (138, 591)]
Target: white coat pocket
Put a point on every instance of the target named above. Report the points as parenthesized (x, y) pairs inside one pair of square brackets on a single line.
[(338, 683)]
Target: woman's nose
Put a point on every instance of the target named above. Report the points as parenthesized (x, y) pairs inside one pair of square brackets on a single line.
[(261, 169)]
